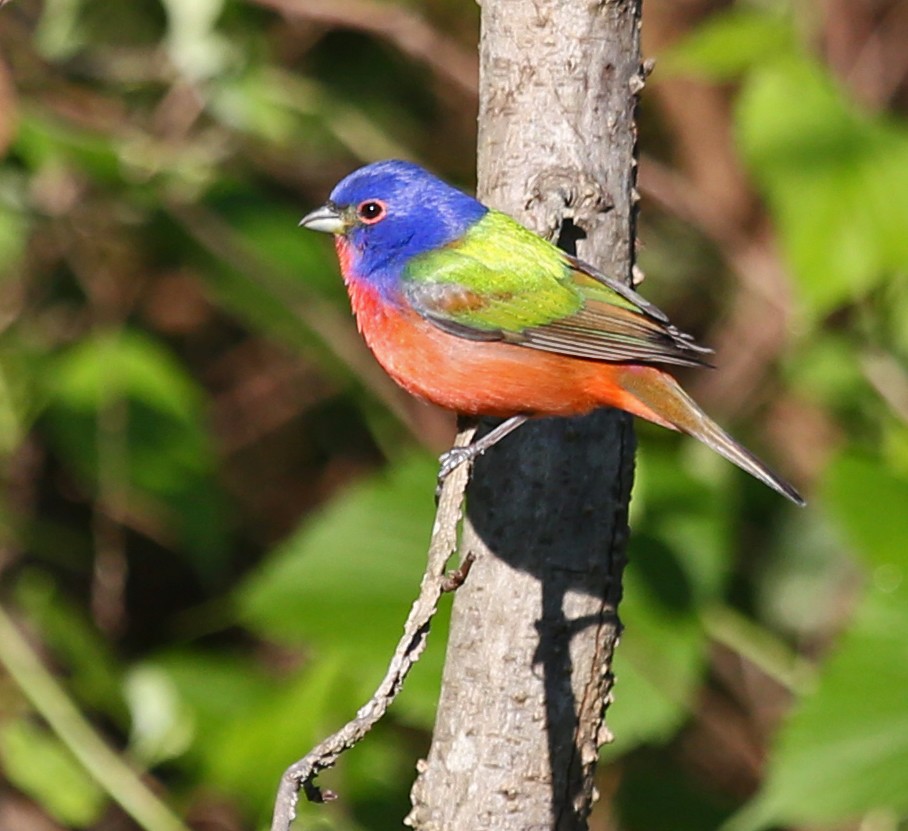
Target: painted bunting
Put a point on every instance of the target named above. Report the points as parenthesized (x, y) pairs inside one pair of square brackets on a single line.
[(466, 308)]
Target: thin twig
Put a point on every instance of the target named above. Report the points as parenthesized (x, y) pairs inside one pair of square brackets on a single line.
[(301, 775), (109, 770), (457, 577)]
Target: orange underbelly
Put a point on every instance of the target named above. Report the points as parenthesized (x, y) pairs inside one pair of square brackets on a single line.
[(486, 378)]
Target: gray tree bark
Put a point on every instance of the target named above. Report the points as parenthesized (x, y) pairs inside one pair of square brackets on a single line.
[(527, 677)]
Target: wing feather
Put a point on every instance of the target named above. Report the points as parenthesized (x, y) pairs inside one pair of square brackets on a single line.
[(526, 291)]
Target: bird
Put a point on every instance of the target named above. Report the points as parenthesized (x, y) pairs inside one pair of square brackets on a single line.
[(466, 308)]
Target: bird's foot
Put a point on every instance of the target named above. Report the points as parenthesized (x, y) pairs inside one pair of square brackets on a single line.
[(453, 459), (457, 456), (449, 462)]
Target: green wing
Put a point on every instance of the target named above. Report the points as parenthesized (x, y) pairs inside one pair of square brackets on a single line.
[(502, 282)]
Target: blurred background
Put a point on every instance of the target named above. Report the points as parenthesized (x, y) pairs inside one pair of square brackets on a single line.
[(215, 508)]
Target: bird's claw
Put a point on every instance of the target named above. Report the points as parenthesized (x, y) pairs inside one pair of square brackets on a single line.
[(449, 462), (453, 459)]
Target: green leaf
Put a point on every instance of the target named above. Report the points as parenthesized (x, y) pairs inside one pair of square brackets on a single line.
[(59, 35), (215, 687), (124, 364), (828, 370), (268, 299), (729, 43), (162, 727), (153, 447), (224, 710), (798, 585), (344, 582), (683, 497), (869, 502), (289, 721), (38, 764), (658, 666), (836, 180), (248, 724), (363, 550), (247, 104), (843, 752), (678, 567)]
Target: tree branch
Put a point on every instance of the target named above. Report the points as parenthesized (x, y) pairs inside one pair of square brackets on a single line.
[(527, 674), (301, 775)]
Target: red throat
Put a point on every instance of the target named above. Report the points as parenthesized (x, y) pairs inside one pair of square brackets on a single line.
[(344, 257)]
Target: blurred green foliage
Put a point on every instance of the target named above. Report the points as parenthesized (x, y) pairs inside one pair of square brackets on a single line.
[(215, 509)]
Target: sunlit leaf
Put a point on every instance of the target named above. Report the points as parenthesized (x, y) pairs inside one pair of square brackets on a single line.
[(289, 722), (869, 502), (124, 364), (837, 180), (345, 581), (843, 752), (729, 43), (161, 727)]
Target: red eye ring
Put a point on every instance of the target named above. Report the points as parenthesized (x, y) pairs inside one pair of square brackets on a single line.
[(371, 211)]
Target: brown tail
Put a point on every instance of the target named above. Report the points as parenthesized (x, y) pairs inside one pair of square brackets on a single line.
[(666, 403)]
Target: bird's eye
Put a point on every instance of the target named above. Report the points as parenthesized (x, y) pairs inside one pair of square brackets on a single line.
[(371, 211)]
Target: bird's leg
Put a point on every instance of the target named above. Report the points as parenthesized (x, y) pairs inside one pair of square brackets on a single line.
[(457, 456)]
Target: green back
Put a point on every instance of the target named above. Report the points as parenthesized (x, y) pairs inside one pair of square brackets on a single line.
[(501, 281)]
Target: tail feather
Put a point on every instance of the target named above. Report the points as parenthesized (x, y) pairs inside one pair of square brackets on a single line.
[(662, 397)]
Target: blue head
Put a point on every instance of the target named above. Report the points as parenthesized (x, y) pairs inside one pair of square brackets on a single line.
[(390, 212)]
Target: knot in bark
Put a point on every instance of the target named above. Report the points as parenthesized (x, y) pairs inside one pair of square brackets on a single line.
[(560, 193)]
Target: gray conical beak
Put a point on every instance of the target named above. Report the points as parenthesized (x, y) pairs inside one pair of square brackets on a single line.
[(327, 219)]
